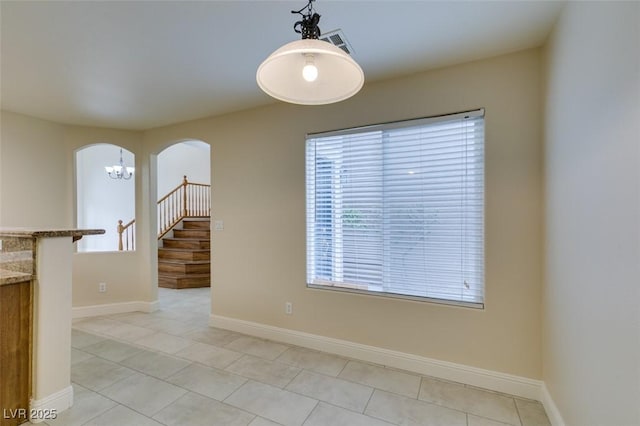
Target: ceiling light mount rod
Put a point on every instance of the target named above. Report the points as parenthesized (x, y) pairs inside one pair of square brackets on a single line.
[(308, 27), (309, 71)]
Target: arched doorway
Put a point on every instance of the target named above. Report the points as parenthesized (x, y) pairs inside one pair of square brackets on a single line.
[(183, 215)]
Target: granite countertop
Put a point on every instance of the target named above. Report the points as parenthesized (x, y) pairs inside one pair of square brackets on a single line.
[(16, 258), (48, 233), (12, 277)]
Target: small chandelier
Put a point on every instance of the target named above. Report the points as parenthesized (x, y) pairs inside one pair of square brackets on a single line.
[(310, 71), (120, 171)]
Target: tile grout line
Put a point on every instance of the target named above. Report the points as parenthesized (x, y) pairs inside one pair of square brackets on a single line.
[(254, 414), (276, 360), (155, 350), (373, 390), (518, 412), (117, 404), (131, 408), (292, 379), (310, 412), (101, 413), (340, 378)]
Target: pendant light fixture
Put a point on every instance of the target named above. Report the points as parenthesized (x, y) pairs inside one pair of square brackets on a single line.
[(310, 71), (120, 171)]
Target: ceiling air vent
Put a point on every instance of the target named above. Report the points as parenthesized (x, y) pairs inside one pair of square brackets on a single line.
[(337, 38)]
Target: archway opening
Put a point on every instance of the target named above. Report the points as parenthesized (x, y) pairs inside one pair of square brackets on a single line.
[(183, 216), (103, 199)]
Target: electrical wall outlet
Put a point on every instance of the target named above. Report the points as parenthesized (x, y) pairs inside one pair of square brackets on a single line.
[(102, 287), (288, 308)]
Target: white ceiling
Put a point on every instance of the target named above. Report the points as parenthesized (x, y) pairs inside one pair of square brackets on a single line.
[(138, 65)]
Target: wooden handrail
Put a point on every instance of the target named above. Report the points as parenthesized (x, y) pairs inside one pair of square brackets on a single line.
[(129, 235), (173, 190), (185, 200)]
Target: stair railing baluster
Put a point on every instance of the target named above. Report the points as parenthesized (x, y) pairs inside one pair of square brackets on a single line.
[(184, 196)]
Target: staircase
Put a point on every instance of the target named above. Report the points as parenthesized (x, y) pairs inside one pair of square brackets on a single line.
[(184, 236), (184, 260)]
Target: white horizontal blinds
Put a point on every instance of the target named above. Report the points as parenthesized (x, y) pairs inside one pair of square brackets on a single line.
[(345, 226), (398, 208), (433, 210), (361, 206)]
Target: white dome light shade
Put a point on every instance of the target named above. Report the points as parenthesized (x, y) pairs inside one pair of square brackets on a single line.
[(338, 76)]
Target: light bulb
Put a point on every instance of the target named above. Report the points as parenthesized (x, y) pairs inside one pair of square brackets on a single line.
[(309, 72)]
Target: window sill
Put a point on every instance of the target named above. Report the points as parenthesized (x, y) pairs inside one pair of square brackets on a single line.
[(361, 289)]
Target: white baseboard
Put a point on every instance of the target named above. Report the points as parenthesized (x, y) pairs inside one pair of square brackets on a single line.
[(550, 407), (51, 406), (487, 379), (113, 308)]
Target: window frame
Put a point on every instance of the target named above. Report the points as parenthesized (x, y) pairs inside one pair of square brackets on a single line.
[(311, 194)]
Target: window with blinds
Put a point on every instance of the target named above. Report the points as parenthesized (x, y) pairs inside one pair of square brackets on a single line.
[(398, 209)]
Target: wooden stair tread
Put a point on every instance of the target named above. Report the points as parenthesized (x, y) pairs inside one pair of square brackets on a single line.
[(184, 262), (194, 234), (166, 275), (186, 243), (186, 254), (184, 282), (196, 224), (183, 249)]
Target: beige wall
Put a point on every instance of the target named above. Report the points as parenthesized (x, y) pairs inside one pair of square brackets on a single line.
[(33, 173), (591, 347), (258, 190), (121, 271)]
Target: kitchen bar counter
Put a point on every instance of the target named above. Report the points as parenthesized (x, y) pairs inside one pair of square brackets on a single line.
[(35, 321), (17, 250)]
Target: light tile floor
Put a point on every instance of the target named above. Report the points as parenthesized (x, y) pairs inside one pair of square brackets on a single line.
[(170, 368)]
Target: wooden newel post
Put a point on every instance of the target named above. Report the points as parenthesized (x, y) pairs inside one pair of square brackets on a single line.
[(184, 196), (120, 229)]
